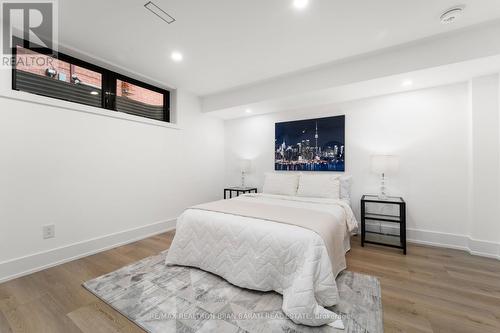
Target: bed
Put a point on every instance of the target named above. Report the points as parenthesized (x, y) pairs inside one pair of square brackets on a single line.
[(294, 245)]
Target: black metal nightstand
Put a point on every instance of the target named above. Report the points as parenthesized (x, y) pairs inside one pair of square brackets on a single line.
[(392, 211), (239, 190)]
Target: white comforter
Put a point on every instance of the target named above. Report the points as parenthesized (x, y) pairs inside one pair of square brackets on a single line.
[(265, 255)]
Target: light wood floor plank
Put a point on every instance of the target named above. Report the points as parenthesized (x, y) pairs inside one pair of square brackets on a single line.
[(98, 317), (41, 315), (4, 324)]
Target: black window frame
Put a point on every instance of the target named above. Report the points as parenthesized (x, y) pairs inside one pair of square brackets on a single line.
[(108, 78)]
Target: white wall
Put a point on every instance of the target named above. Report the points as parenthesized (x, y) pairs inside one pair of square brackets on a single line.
[(100, 180), (104, 181), (485, 158), (430, 131)]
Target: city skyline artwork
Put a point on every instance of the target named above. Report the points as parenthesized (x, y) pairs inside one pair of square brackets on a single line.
[(310, 145)]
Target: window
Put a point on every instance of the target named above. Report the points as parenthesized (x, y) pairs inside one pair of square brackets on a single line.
[(139, 101), (45, 75), (67, 78)]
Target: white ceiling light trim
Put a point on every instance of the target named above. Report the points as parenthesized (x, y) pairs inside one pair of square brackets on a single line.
[(300, 4), (407, 83), (176, 56)]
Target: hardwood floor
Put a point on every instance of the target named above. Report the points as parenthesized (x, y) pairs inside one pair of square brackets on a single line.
[(429, 290)]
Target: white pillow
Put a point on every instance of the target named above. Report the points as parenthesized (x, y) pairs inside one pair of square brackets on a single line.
[(281, 183), (319, 186)]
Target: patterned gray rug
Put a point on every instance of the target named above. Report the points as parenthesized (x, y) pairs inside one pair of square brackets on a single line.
[(160, 298)]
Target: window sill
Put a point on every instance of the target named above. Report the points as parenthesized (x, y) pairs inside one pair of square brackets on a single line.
[(47, 101)]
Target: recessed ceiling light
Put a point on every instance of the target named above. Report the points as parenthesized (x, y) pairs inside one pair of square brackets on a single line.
[(452, 14), (248, 110), (407, 83), (93, 92), (300, 4), (176, 56)]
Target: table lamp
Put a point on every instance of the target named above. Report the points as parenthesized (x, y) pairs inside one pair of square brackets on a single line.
[(245, 167), (383, 165)]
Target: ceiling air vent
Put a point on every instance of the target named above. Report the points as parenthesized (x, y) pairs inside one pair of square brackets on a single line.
[(159, 12)]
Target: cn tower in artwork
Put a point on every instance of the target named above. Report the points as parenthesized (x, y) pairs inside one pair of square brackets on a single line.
[(316, 138)]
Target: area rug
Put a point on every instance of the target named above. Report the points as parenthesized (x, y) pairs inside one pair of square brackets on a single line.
[(160, 298)]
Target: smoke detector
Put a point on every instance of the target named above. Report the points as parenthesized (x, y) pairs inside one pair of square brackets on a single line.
[(452, 14)]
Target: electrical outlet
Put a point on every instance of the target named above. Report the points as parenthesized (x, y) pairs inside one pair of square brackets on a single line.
[(49, 231)]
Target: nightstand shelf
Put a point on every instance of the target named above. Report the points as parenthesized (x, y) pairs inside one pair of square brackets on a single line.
[(391, 210), (383, 218), (238, 190)]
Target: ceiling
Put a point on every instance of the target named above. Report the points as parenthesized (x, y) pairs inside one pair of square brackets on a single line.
[(232, 43), (393, 84)]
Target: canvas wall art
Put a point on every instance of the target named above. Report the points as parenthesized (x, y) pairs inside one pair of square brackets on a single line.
[(310, 145)]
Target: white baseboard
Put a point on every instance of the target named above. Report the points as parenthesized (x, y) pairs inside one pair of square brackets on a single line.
[(460, 242), (440, 239), (452, 241), (39, 261)]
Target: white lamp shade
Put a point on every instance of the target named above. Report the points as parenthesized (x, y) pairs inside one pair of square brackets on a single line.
[(245, 165), (384, 164)]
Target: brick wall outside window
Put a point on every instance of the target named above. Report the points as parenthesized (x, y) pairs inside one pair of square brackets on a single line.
[(36, 63), (139, 94)]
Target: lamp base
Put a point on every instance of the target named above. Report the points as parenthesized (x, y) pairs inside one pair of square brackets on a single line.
[(382, 195)]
